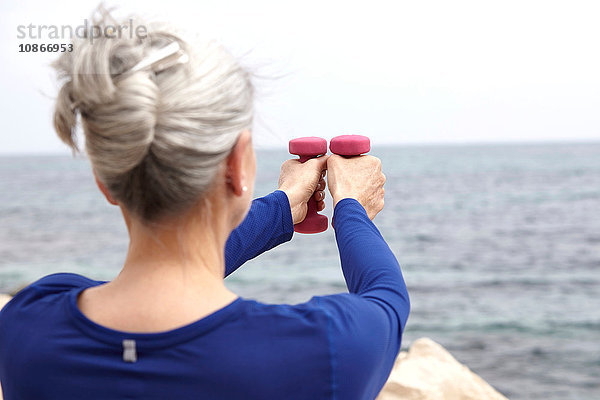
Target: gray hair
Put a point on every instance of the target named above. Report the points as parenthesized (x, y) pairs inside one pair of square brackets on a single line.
[(155, 140)]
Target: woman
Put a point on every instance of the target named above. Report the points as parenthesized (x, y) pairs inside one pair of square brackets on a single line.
[(167, 129)]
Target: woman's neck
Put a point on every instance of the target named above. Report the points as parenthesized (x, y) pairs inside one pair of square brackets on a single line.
[(172, 276), (186, 251)]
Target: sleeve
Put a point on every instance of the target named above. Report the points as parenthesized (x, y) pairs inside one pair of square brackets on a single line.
[(267, 224), (365, 325)]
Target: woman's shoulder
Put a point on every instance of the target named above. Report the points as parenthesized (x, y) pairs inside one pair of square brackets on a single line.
[(44, 290), (56, 283), (61, 281)]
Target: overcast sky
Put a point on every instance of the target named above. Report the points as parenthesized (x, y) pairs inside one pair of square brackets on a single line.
[(397, 71)]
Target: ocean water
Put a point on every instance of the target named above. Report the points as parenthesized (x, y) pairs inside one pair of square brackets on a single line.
[(499, 245)]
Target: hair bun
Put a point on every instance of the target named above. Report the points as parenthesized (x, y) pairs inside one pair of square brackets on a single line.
[(155, 139)]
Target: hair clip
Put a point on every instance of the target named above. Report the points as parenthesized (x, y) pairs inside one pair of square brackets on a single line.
[(161, 59)]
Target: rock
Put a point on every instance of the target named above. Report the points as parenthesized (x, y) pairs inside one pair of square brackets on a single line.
[(429, 372), (4, 298)]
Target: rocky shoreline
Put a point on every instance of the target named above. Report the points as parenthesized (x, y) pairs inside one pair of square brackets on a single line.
[(427, 371)]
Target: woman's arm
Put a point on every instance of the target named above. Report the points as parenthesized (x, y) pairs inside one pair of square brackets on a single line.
[(271, 219), (268, 224), (365, 325), (370, 268)]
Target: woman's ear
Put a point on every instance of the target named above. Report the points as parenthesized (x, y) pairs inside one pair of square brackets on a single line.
[(104, 191), (235, 175)]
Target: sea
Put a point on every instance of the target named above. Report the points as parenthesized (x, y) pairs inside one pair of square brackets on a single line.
[(499, 246)]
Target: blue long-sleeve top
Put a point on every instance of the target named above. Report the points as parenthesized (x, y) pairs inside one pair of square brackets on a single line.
[(341, 346)]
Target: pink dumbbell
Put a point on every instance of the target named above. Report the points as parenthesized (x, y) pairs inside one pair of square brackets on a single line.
[(307, 148), (349, 145)]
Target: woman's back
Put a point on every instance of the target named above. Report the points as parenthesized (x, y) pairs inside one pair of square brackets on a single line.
[(244, 350)]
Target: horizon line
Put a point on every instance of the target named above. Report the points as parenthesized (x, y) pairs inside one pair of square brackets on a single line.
[(467, 143)]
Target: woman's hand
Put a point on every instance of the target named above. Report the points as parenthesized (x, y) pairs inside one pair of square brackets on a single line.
[(299, 181), (358, 178)]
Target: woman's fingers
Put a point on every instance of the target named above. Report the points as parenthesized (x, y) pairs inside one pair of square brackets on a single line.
[(319, 195), (321, 185), (320, 206)]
